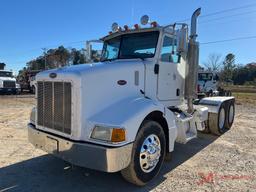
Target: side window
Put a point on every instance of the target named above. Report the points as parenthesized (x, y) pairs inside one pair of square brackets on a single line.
[(169, 50), (111, 49)]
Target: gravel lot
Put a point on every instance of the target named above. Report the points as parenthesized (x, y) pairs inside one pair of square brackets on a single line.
[(208, 163)]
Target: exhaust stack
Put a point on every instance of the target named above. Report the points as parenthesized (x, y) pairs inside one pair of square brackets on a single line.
[(192, 63)]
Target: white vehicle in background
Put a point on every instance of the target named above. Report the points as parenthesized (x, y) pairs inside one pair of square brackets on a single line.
[(8, 84), (207, 83), (32, 84), (126, 112)]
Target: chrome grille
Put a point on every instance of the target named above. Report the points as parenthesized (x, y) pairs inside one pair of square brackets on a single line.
[(9, 84), (54, 105)]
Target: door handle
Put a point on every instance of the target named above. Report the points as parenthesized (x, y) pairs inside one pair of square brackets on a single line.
[(156, 69)]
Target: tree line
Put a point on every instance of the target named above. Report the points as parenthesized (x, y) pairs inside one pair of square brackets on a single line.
[(56, 58), (226, 68), (231, 72), (60, 57)]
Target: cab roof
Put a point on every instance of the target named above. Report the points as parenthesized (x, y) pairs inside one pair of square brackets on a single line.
[(139, 30)]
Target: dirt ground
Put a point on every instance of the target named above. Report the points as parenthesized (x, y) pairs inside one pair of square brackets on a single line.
[(208, 163)]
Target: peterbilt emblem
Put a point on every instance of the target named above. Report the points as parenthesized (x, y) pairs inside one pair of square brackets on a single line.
[(53, 75)]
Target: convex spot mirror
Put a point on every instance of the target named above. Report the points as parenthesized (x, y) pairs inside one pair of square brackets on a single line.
[(144, 20)]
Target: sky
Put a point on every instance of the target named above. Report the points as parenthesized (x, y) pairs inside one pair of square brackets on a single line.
[(27, 26)]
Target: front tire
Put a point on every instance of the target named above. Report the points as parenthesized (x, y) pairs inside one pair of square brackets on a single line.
[(148, 154)]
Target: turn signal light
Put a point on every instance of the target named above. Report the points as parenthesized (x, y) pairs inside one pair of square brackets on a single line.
[(118, 135), (136, 26)]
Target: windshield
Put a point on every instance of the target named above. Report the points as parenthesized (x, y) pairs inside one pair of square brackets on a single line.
[(136, 45), (205, 76), (5, 74)]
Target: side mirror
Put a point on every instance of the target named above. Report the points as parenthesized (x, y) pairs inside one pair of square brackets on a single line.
[(89, 49), (182, 40)]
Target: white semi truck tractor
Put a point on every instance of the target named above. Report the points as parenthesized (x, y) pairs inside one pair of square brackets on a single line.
[(208, 85), (8, 83), (126, 112)]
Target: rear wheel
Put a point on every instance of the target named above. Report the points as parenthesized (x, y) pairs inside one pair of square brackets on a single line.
[(230, 114), (147, 155), (221, 119), (217, 121)]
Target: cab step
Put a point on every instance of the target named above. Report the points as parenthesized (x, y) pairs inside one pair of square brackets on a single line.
[(186, 126)]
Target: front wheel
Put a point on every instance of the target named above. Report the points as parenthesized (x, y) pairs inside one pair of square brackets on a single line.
[(147, 155)]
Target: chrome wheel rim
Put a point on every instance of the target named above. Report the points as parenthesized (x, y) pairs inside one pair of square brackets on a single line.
[(222, 118), (150, 153), (231, 114)]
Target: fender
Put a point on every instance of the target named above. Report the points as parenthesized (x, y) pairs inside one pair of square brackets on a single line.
[(129, 113), (213, 103)]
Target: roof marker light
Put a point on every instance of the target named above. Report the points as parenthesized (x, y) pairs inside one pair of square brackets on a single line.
[(136, 26)]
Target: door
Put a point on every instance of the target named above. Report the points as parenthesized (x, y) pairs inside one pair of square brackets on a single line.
[(167, 82)]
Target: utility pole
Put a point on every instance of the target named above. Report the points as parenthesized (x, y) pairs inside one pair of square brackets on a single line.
[(45, 50)]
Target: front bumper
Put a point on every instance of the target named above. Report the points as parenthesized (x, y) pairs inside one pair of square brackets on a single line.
[(9, 90), (92, 156)]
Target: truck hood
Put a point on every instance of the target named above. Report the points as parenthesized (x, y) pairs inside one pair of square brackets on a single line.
[(7, 79), (95, 87), (83, 70)]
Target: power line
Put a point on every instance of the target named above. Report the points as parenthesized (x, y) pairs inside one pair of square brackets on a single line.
[(228, 10), (226, 17), (221, 12), (228, 40)]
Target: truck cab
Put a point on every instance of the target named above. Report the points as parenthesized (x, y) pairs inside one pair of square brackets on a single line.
[(207, 83), (125, 112), (8, 83)]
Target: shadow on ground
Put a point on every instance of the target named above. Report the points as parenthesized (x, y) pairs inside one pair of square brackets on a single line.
[(47, 173)]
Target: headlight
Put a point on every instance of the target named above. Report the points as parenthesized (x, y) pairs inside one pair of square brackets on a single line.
[(108, 134), (33, 116), (17, 85)]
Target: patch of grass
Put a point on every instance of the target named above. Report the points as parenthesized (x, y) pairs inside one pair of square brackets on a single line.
[(242, 97), (240, 88)]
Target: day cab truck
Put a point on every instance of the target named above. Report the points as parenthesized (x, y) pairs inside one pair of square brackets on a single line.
[(208, 84), (126, 112), (8, 84)]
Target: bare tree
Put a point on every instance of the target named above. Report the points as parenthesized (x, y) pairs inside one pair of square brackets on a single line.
[(213, 62)]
